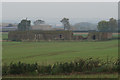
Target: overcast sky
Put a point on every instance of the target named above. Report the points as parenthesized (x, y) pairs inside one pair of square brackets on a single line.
[(40, 10)]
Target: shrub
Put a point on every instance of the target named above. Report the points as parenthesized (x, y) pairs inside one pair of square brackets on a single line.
[(83, 65)]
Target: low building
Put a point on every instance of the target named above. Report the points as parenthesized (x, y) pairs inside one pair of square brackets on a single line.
[(39, 35), (99, 35)]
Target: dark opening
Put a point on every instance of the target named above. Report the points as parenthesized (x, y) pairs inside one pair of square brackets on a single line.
[(94, 37), (60, 36)]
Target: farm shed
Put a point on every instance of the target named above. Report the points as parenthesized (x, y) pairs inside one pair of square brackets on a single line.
[(99, 35), (39, 35)]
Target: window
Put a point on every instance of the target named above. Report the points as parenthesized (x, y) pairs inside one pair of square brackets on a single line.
[(94, 37)]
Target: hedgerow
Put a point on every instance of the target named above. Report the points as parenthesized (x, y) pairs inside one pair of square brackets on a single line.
[(82, 65)]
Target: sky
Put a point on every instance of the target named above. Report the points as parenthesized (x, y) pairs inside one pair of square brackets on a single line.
[(55, 11), (59, 0)]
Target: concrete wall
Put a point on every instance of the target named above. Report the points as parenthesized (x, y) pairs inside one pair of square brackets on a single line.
[(99, 35), (39, 35)]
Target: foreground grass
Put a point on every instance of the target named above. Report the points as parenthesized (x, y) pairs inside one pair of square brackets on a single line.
[(102, 75), (51, 52)]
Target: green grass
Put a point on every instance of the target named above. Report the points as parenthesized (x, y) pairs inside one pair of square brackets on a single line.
[(51, 52), (102, 75), (4, 35), (84, 35)]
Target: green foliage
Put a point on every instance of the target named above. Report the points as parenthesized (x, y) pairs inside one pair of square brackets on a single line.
[(19, 68), (24, 25), (82, 65), (5, 69), (110, 25), (113, 24), (103, 26)]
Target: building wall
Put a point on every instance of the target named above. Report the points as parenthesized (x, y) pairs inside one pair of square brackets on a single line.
[(109, 35), (39, 35), (99, 35)]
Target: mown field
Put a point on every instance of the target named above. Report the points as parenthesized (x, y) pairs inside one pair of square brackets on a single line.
[(51, 52)]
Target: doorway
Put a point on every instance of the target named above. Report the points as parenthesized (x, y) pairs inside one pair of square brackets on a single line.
[(60, 36), (94, 37)]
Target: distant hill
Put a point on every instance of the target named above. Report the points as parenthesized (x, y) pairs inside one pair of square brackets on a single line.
[(85, 26)]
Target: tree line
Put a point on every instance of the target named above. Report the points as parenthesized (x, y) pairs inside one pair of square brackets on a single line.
[(110, 26)]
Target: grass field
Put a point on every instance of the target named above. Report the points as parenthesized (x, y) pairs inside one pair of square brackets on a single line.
[(51, 52)]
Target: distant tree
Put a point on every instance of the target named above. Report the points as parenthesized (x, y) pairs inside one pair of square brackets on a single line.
[(38, 22), (24, 25), (110, 25), (103, 26), (119, 25), (65, 22)]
